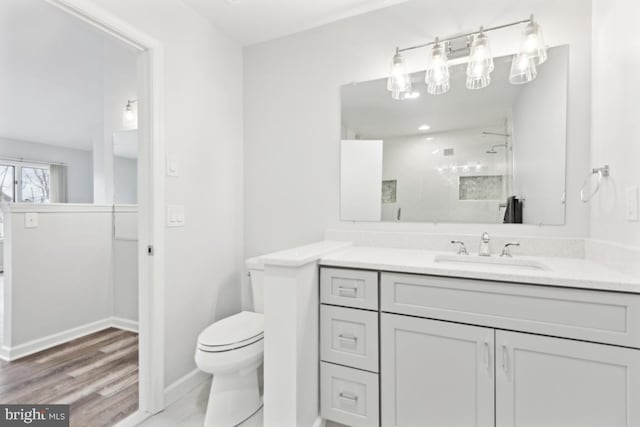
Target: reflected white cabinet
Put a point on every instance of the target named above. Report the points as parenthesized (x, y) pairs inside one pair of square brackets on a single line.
[(554, 382), (435, 373)]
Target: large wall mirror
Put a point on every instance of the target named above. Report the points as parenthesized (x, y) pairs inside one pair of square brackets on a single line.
[(494, 155)]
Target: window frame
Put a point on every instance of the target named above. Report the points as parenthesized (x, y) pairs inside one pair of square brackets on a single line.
[(17, 176)]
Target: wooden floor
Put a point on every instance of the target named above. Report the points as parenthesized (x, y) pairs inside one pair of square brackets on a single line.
[(97, 375)]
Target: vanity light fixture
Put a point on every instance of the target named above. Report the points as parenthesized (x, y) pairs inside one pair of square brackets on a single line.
[(480, 63), (129, 116), (532, 53), (399, 82), (437, 76)]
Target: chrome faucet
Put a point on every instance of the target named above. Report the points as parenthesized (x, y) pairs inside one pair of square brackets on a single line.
[(485, 247), (506, 252), (462, 249)]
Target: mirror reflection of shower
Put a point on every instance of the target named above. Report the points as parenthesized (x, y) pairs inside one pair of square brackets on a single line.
[(492, 150)]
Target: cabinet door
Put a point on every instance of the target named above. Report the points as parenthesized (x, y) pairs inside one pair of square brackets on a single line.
[(435, 374), (554, 382)]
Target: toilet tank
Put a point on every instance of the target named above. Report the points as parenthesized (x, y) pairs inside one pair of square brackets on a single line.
[(256, 276)]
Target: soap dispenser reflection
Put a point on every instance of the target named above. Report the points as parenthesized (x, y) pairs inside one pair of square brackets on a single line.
[(485, 247)]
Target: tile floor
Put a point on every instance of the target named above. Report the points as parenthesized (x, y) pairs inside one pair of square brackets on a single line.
[(189, 411)]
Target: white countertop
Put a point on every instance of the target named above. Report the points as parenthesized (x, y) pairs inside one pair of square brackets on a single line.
[(566, 272), (301, 255)]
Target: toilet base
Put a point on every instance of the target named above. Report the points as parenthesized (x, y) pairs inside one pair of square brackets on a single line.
[(233, 398)]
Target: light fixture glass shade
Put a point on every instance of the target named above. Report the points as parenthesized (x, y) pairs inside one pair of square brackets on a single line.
[(399, 81), (533, 43), (523, 69), (437, 76), (130, 116), (480, 63)]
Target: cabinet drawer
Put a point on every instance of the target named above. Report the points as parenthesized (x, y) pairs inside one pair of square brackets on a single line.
[(348, 396), (350, 288), (349, 337), (598, 316)]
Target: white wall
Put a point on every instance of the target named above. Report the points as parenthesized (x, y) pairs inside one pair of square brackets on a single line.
[(292, 110), (203, 134), (538, 142), (125, 263), (60, 272), (615, 116), (425, 193), (79, 167), (125, 179)]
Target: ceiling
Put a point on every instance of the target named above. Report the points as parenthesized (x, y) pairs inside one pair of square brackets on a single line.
[(52, 81), (369, 110), (255, 21)]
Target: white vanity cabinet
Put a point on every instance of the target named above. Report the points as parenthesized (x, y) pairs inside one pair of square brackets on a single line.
[(554, 382), (436, 373), (466, 352)]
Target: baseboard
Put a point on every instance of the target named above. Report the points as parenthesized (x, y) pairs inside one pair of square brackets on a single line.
[(126, 324), (319, 422), (134, 419), (184, 385), (40, 344), (9, 354)]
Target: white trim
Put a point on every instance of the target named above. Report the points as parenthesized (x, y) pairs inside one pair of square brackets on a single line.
[(319, 422), (125, 324), (8, 353), (56, 208), (40, 344), (133, 420), (184, 385), (151, 186)]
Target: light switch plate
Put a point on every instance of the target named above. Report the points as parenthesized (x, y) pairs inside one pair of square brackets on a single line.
[(172, 169), (175, 216), (631, 204), (30, 220)]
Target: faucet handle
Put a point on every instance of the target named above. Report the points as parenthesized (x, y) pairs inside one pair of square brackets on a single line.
[(506, 252), (462, 249)]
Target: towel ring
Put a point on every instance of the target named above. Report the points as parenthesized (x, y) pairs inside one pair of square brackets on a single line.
[(602, 172)]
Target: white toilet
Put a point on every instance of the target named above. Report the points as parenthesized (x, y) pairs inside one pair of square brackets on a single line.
[(231, 349)]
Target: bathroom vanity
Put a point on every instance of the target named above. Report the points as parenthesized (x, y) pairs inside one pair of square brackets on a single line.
[(413, 338)]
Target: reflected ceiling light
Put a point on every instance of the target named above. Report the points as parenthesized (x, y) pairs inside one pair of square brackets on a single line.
[(480, 63), (437, 76), (424, 127), (533, 42), (523, 69), (431, 139), (399, 82), (411, 95), (129, 117)]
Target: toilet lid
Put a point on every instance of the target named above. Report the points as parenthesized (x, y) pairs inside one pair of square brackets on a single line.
[(233, 330)]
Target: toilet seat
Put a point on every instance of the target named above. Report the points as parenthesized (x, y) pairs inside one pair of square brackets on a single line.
[(237, 331)]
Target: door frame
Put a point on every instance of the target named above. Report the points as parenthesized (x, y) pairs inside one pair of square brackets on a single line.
[(151, 275)]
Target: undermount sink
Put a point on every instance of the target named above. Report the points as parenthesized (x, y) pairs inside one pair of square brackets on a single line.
[(502, 262)]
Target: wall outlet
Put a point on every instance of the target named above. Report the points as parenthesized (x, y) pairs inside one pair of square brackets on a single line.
[(30, 220), (631, 204), (175, 216)]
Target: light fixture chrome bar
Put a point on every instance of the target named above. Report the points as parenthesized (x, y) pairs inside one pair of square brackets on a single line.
[(448, 39)]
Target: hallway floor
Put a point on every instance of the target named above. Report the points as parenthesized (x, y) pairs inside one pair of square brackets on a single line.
[(96, 374)]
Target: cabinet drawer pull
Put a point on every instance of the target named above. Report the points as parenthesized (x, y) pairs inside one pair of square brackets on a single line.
[(349, 338), (350, 397), (347, 291)]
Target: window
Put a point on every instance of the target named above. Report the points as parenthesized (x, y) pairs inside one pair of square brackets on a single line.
[(25, 183), (7, 183), (35, 185)]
